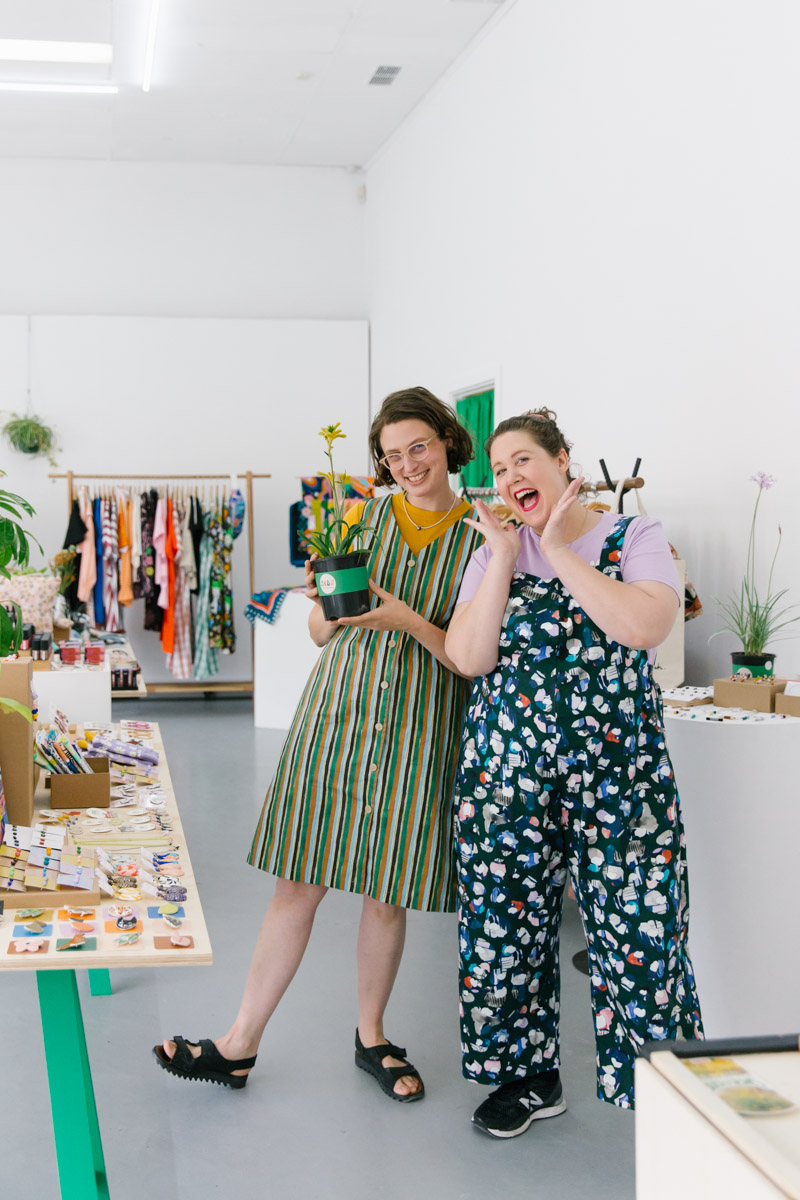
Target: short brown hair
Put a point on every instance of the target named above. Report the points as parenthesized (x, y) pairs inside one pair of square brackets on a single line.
[(540, 424), (418, 404)]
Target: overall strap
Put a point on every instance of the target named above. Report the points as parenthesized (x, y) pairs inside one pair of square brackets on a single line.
[(611, 554)]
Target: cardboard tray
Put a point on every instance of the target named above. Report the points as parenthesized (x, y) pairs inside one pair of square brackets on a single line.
[(744, 693), (82, 791)]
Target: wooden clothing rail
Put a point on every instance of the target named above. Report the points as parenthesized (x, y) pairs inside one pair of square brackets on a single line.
[(193, 685)]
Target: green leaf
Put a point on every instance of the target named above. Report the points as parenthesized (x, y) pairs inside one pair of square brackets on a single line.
[(14, 706)]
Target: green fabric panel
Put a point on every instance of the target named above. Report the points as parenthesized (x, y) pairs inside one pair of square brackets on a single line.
[(476, 413)]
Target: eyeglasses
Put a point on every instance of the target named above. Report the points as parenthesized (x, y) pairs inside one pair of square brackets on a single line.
[(416, 452)]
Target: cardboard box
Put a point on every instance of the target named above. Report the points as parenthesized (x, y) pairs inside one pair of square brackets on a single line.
[(16, 742), (788, 705), (746, 693), (82, 791)]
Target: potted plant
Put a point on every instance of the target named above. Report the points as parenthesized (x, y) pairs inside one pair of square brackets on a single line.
[(14, 548), (341, 568), (754, 620), (29, 435)]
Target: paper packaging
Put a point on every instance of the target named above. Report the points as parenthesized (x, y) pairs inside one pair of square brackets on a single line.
[(16, 742), (736, 693), (788, 704), (82, 791)]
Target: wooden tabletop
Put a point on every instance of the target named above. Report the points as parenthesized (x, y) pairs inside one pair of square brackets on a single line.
[(147, 951)]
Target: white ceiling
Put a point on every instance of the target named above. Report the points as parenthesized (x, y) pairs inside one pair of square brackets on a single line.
[(234, 81)]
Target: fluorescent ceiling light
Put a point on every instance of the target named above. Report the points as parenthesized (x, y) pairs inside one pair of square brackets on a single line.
[(15, 50), (151, 45), (93, 88)]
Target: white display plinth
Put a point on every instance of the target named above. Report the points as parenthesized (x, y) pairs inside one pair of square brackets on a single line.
[(284, 658), (738, 786), (82, 694)]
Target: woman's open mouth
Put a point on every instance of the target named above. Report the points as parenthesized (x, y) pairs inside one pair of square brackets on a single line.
[(418, 477), (527, 499)]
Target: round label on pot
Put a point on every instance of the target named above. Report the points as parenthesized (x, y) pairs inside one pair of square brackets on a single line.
[(326, 584)]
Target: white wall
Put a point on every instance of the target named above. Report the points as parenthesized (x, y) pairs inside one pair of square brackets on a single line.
[(160, 340), (143, 239), (599, 207), (183, 395)]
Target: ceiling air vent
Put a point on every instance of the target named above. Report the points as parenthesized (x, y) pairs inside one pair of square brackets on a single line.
[(385, 75)]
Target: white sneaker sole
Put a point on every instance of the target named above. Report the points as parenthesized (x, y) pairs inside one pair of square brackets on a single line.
[(538, 1115)]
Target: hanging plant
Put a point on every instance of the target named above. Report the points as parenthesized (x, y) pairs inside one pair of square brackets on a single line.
[(29, 435)]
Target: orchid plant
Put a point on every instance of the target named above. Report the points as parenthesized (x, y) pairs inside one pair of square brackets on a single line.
[(753, 620), (338, 537)]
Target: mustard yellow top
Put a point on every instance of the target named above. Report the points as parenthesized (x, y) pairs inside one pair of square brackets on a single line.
[(413, 537)]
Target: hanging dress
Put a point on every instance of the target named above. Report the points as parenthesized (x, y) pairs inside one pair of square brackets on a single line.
[(362, 797), (205, 658)]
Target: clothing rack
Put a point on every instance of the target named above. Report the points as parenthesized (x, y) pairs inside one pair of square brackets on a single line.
[(144, 478)]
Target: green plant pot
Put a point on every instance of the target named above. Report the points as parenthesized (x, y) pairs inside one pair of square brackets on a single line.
[(343, 584), (752, 666)]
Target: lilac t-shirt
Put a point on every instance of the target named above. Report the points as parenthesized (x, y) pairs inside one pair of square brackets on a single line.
[(645, 556)]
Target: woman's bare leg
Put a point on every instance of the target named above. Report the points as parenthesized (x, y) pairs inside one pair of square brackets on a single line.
[(381, 937), (279, 951)]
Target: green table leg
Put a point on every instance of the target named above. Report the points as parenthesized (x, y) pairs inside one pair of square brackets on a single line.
[(100, 982), (79, 1151)]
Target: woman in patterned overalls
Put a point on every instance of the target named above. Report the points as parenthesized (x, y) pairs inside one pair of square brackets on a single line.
[(564, 769)]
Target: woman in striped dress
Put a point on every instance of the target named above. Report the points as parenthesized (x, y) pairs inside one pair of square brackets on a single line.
[(361, 800)]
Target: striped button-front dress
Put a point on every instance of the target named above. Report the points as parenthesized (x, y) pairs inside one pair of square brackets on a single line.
[(362, 797)]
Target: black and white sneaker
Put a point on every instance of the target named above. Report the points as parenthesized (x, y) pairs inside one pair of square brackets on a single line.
[(510, 1109)]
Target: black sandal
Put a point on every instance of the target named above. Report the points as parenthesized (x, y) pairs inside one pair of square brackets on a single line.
[(210, 1066), (370, 1059)]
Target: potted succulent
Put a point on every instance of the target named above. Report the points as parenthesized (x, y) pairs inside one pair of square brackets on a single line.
[(754, 620), (341, 568), (29, 435)]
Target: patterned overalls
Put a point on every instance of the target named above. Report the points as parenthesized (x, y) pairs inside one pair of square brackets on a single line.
[(564, 766)]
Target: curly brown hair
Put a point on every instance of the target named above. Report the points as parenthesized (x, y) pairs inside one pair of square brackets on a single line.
[(418, 404), (540, 424)]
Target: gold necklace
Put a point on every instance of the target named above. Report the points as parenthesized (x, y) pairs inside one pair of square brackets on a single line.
[(419, 528)]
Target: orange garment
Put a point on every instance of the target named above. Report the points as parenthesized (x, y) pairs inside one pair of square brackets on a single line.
[(125, 594), (170, 550)]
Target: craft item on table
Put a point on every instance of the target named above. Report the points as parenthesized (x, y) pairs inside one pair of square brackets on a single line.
[(113, 748), (137, 726), (127, 939), (41, 880), (17, 837), (32, 929), (170, 920), (80, 878), (687, 697), (183, 942), (57, 754), (31, 945), (77, 942), (155, 913), (30, 914), (40, 856)]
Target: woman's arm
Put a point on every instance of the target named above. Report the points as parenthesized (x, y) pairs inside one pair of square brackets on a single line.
[(639, 615), (393, 615), (321, 631), (473, 639)]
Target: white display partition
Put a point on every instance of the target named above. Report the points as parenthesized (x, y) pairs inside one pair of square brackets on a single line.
[(741, 811), (82, 694), (284, 658)]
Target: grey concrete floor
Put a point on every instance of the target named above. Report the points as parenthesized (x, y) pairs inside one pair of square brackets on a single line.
[(308, 1125)]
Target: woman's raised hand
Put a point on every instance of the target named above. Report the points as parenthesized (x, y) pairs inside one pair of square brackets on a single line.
[(503, 540), (311, 582), (554, 532)]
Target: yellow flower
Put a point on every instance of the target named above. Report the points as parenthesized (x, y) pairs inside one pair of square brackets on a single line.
[(331, 433), (344, 480)]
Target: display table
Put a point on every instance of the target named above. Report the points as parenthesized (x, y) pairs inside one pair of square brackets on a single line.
[(78, 1146), (284, 657), (738, 786), (691, 1143)]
